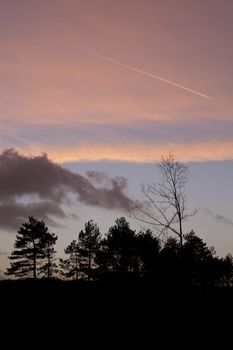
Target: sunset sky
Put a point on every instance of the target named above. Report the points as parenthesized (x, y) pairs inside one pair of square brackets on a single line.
[(112, 86)]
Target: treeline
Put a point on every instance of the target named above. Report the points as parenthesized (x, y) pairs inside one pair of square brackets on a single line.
[(122, 254)]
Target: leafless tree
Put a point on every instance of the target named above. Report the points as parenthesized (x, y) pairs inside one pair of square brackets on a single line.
[(165, 205)]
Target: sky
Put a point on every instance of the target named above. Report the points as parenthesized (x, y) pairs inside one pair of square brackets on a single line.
[(111, 86)]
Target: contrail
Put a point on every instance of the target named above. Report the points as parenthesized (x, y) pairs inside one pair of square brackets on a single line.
[(106, 58)]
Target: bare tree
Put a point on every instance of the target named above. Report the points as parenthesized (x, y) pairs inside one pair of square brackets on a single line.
[(165, 206)]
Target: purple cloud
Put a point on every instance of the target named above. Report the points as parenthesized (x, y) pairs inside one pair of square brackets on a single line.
[(40, 178)]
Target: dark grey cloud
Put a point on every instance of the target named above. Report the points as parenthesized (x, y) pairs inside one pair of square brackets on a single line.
[(38, 176), (13, 214), (97, 176), (218, 217)]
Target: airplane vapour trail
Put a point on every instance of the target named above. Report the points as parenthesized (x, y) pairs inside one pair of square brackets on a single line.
[(140, 71)]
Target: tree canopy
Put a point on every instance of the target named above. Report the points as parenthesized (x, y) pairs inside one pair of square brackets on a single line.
[(121, 254), (34, 253)]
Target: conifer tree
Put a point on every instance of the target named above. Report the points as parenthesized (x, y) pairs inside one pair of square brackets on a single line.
[(70, 267), (89, 242), (30, 248)]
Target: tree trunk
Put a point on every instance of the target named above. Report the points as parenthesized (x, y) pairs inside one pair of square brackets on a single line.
[(181, 232), (34, 260), (76, 267), (89, 266), (49, 268), (34, 265)]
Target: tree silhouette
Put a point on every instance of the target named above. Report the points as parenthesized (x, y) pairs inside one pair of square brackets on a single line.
[(119, 248), (197, 259), (227, 271), (170, 262), (89, 243), (30, 247), (122, 255), (49, 268), (166, 201), (70, 267), (147, 251)]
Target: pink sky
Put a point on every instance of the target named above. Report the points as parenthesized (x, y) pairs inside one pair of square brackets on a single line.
[(49, 87)]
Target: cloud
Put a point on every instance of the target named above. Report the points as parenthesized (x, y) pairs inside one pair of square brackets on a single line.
[(13, 214), (101, 177), (37, 186), (218, 217), (224, 219), (2, 275), (2, 252), (142, 142), (143, 153), (73, 104)]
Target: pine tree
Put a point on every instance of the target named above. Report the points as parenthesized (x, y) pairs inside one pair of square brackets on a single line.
[(89, 242), (29, 251), (49, 267), (70, 267), (120, 246)]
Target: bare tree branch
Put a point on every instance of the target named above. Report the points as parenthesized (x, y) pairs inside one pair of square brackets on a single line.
[(166, 201)]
